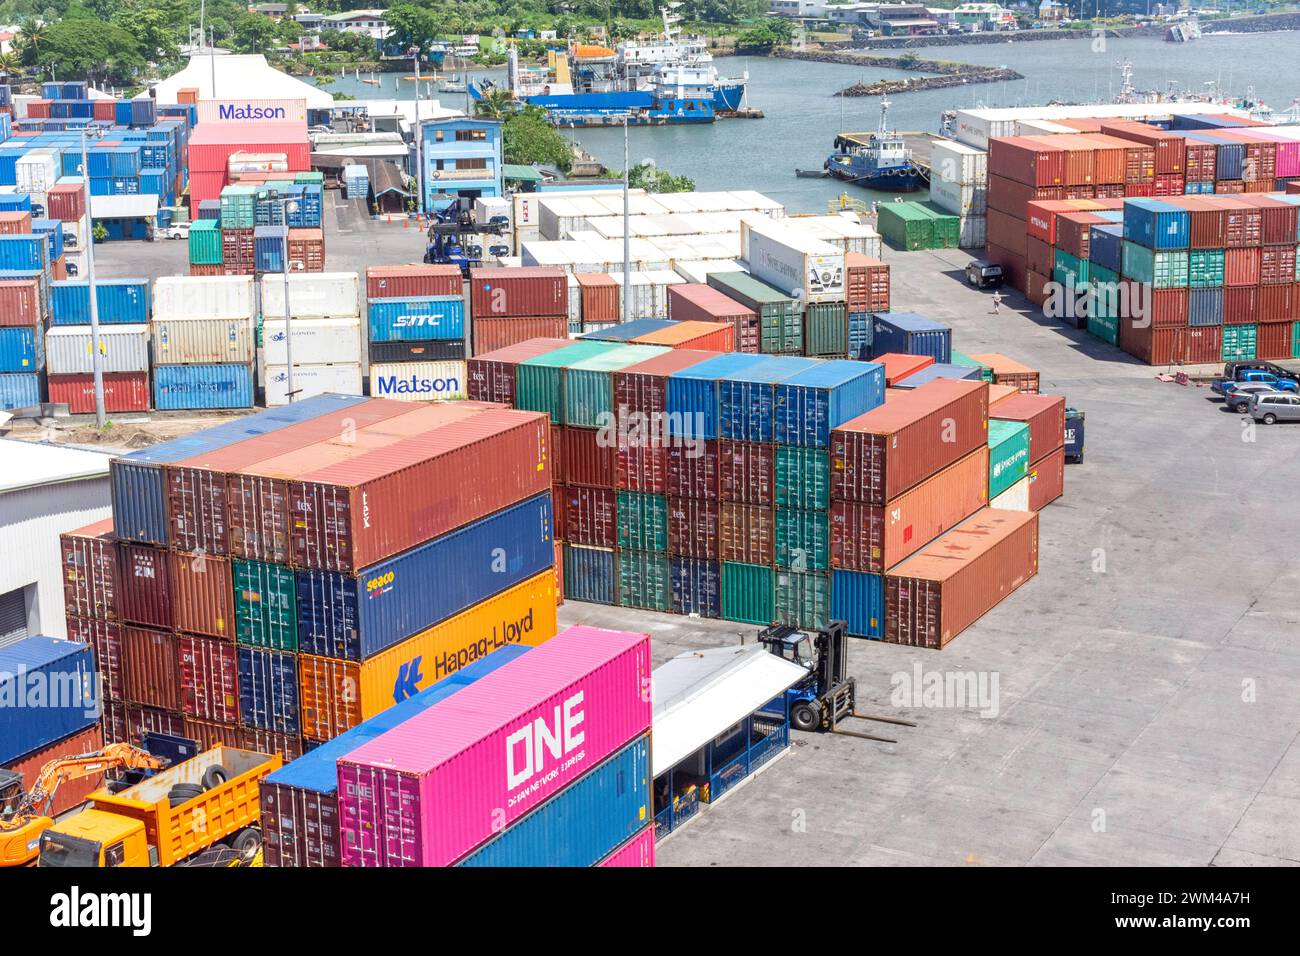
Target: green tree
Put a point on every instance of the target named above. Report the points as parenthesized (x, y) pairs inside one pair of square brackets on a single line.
[(85, 46), (496, 104), (528, 138), (253, 33), (10, 64), (412, 26), (652, 179), (31, 35)]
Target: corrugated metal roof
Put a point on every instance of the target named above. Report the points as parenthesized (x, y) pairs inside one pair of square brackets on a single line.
[(31, 464)]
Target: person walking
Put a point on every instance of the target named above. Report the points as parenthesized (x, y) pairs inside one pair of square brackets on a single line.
[(997, 301)]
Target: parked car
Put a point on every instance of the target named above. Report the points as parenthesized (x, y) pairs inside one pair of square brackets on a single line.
[(178, 230), (1272, 407), (1239, 395), (1223, 386), (983, 274), (1237, 370)]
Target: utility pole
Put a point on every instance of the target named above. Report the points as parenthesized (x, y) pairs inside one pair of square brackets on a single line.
[(419, 134), (96, 357), (288, 335), (627, 232)]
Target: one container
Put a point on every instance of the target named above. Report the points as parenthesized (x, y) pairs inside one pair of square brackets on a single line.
[(21, 350), (520, 291), (858, 599), (318, 295), (209, 297), (21, 302), (805, 268), (152, 662), (703, 303), (124, 348), (428, 317), (28, 723), (418, 381), (315, 341), (814, 401), (748, 593), (866, 283), (383, 282), (144, 586), (780, 317), (590, 574), (90, 568), (200, 341), (205, 387), (911, 334), (696, 586), (1014, 498), (404, 781), (202, 599), (209, 678), (268, 690), (118, 301), (1008, 455)]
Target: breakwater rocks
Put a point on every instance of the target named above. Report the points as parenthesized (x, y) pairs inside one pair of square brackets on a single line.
[(943, 73)]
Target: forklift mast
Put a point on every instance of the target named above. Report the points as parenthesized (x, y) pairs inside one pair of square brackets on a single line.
[(832, 655)]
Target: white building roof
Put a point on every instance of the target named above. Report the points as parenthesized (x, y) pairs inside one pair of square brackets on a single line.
[(31, 464), (240, 77), (143, 206), (700, 694)]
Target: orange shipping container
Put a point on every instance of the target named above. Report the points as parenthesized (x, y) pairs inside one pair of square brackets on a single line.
[(1009, 372), (15, 222), (705, 336), (1046, 480), (748, 533), (202, 595), (599, 294), (492, 334)]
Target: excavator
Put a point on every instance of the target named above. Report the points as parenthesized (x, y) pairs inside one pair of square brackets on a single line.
[(25, 816)]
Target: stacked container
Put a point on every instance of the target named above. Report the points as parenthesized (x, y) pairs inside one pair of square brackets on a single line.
[(959, 185), (509, 306), (417, 332), (123, 311), (325, 326), (24, 310), (1044, 480), (204, 342)]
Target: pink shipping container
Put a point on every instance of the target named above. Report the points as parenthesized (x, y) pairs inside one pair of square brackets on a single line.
[(691, 301), (212, 144), (209, 679), (529, 291), (89, 558), (490, 377), (20, 302), (430, 791), (395, 282), (638, 851)]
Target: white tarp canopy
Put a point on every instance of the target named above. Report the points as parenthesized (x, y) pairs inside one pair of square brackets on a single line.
[(700, 694), (240, 77), (142, 206)]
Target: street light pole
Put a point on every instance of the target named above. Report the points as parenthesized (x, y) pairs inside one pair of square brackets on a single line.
[(419, 134), (288, 336), (627, 233), (96, 357)]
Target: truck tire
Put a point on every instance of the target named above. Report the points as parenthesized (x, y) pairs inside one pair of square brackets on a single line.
[(214, 776), (246, 841), (183, 793), (804, 716)]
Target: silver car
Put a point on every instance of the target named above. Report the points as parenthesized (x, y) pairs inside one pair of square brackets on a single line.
[(1243, 393), (1271, 407)]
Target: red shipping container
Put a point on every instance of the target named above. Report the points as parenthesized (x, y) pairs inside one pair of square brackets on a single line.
[(693, 335), (1036, 287), (202, 595), (866, 283), (642, 387), (306, 250), (1011, 197), (1028, 159), (879, 455), (1274, 304), (405, 282), (1072, 231), (1006, 232), (939, 592), (212, 144), (1079, 166), (204, 186), (89, 557), (490, 377), (38, 109), (691, 301), (558, 493), (1140, 190), (152, 667), (493, 334), (599, 295), (1204, 344), (746, 474), (518, 292), (1206, 221), (301, 827), (66, 202), (270, 742), (1169, 148), (1045, 416), (1111, 190), (747, 533), (1040, 218), (105, 638), (1199, 161), (899, 365), (1252, 214), (866, 537), (105, 110), (642, 466), (1166, 308), (1110, 159), (1277, 264), (1013, 266), (1241, 305), (16, 222), (1151, 345), (126, 723), (1038, 256), (1229, 186), (1274, 341), (588, 457), (123, 391), (1241, 266), (1258, 186), (1047, 479), (209, 270), (209, 679), (71, 793), (591, 516), (20, 302), (1168, 184), (144, 586), (693, 528), (693, 470), (59, 268)]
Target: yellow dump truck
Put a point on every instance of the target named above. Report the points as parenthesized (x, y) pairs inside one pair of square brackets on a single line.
[(169, 819)]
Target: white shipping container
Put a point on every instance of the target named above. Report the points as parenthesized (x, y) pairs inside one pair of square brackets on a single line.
[(575, 303), (75, 235), (343, 378), (252, 111), (955, 162), (312, 295), (962, 199), (488, 206), (972, 231), (315, 341), (659, 281), (800, 266), (203, 341), (524, 234), (208, 297), (418, 381), (641, 296), (697, 270), (125, 348), (37, 170), (1015, 498)]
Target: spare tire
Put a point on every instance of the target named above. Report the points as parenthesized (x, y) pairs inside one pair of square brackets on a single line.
[(183, 793), (215, 776)]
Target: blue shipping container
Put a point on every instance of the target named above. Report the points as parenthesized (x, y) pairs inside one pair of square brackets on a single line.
[(268, 690), (590, 574), (696, 586), (814, 401), (120, 301), (860, 335), (422, 317), (692, 395), (268, 248), (15, 202), (54, 229), (1156, 224), (49, 691), (1106, 247), (353, 617), (910, 334), (858, 599), (136, 481), (19, 389), (24, 252), (937, 370), (747, 398), (21, 349), (202, 386), (627, 331), (1205, 307), (584, 822)]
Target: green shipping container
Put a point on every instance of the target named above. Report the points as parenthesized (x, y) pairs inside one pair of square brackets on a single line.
[(1239, 342), (238, 207), (539, 382), (803, 600), (1069, 270), (780, 318), (589, 388), (266, 605), (644, 580), (205, 242), (1205, 268), (826, 329), (803, 540), (1295, 340), (1160, 270), (306, 178), (803, 478), (1104, 327), (965, 361), (747, 594), (1008, 454), (945, 228), (905, 225), (642, 521)]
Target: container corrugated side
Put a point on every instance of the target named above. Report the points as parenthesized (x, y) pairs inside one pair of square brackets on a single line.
[(144, 585), (89, 560), (202, 595), (858, 599), (636, 852), (748, 593), (28, 723), (490, 377), (152, 668), (124, 348), (268, 690), (202, 387), (213, 297), (813, 402), (312, 295), (209, 676)]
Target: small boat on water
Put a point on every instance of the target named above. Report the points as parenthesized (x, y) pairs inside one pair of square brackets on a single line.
[(1184, 32), (879, 160)]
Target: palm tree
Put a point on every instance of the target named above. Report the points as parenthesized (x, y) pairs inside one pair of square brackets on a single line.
[(495, 104), (10, 65), (31, 34)]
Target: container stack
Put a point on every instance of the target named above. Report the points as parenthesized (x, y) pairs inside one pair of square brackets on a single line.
[(218, 153), (204, 342), (66, 202), (959, 186), (812, 272), (911, 226), (326, 330), (866, 292), (1043, 417), (417, 332), (238, 231), (25, 275), (509, 306), (124, 312)]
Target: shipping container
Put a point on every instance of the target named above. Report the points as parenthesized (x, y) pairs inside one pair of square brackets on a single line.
[(866, 284), (816, 400), (803, 540), (411, 281), (66, 669), (747, 397), (748, 593), (491, 334), (696, 586), (491, 376), (803, 599), (795, 264), (206, 387), (694, 528), (704, 303), (21, 350), (747, 472), (144, 586), (747, 533), (539, 381), (70, 793), (218, 297), (694, 393), (711, 336), (266, 609), (780, 317), (590, 574), (152, 668), (123, 348), (209, 677), (898, 366), (636, 852), (89, 559), (117, 301), (644, 580), (202, 595), (393, 320), (693, 470), (642, 522), (411, 381), (599, 297), (1008, 455), (21, 302), (591, 516), (201, 341), (911, 334), (588, 457), (1009, 372), (858, 599), (588, 387), (1033, 161), (802, 477), (1046, 479), (522, 291), (1045, 416), (268, 690), (1156, 224), (416, 350)]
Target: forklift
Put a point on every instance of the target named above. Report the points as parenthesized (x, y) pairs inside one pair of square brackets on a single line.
[(827, 696)]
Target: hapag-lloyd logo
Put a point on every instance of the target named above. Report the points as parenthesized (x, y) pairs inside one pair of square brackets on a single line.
[(537, 746)]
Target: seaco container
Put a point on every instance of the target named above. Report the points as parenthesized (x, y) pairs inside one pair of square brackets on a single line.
[(442, 783), (491, 377), (425, 317), (338, 695), (910, 334), (1045, 416), (638, 851), (747, 397), (881, 454), (780, 317), (528, 291), (354, 617), (300, 800), (696, 302), (33, 716), (940, 591), (693, 394), (400, 282), (89, 559), (582, 824), (816, 400)]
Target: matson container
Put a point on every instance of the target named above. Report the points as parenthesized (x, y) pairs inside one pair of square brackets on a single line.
[(123, 391), (638, 851), (209, 679), (881, 454), (873, 538), (70, 704), (144, 582), (1047, 479), (800, 266), (70, 793), (201, 341), (1045, 416), (89, 559), (300, 800), (202, 599), (314, 295), (937, 593), (205, 297), (419, 381), (315, 341), (387, 282), (152, 662), (124, 348), (694, 302), (525, 291), (445, 781), (338, 695), (308, 380)]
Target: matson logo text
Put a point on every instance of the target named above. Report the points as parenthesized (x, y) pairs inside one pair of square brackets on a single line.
[(236, 112)]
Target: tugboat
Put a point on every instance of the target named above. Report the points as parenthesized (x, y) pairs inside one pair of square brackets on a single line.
[(879, 160)]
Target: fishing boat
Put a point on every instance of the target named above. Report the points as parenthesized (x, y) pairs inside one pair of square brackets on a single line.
[(879, 160), (452, 84)]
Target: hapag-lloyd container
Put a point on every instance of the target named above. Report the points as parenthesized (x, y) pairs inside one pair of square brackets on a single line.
[(384, 282), (425, 317), (703, 303), (442, 783), (1045, 416), (300, 800), (89, 560), (268, 690), (873, 538), (881, 454), (29, 723), (940, 591), (206, 297), (521, 291), (354, 617), (816, 400), (636, 852), (317, 295), (491, 377), (747, 397), (338, 695), (209, 677)]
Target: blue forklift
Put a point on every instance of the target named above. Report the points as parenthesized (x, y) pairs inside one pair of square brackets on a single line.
[(827, 696)]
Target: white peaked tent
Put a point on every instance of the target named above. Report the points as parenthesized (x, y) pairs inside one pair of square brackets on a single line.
[(240, 77)]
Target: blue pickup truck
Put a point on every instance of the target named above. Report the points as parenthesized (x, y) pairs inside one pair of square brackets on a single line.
[(1222, 386)]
